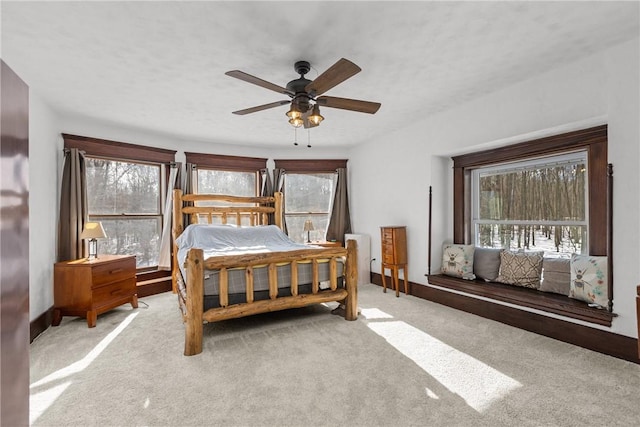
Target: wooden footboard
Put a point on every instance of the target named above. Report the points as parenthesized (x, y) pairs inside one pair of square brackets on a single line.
[(195, 264)]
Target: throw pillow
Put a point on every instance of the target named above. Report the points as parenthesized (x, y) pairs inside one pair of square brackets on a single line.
[(486, 263), (589, 279), (520, 268), (457, 260), (556, 275)]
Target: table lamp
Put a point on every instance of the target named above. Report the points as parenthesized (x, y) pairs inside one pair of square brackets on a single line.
[(308, 227), (92, 232)]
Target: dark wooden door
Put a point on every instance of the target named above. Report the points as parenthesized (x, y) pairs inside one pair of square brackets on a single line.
[(14, 249)]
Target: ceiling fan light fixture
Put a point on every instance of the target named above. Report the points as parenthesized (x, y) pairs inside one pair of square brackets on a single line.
[(293, 113), (296, 122), (315, 116)]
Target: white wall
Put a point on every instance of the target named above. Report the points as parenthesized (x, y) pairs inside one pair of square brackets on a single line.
[(390, 176), (45, 147)]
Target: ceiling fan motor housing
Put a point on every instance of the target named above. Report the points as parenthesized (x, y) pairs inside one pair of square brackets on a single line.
[(301, 98)]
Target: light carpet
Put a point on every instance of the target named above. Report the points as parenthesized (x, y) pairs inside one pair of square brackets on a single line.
[(405, 361)]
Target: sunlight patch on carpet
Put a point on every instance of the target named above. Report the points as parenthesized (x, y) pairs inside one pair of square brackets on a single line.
[(375, 313), (39, 401), (477, 383)]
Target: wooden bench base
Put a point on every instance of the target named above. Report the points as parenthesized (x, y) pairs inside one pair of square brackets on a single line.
[(526, 297)]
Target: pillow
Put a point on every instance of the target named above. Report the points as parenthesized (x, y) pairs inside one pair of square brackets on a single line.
[(457, 261), (589, 279), (520, 268), (486, 263), (556, 275)]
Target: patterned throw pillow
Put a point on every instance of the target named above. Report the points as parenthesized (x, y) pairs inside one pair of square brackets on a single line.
[(589, 279), (520, 268), (457, 261)]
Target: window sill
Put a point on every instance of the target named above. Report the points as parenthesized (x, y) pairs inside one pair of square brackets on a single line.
[(525, 297)]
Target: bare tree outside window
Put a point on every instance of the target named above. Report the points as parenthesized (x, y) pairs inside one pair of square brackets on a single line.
[(212, 181), (126, 198), (536, 205)]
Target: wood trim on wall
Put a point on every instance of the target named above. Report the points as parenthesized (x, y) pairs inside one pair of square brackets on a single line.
[(121, 150), (319, 166), (609, 343), (594, 140), (229, 163)]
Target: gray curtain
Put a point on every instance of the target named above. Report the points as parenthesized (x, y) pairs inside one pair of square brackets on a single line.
[(73, 206), (267, 185), (340, 221), (278, 185), (164, 261)]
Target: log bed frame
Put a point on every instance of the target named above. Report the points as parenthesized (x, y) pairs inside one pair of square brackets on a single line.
[(191, 294)]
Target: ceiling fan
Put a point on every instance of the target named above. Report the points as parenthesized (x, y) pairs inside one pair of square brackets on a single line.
[(305, 94)]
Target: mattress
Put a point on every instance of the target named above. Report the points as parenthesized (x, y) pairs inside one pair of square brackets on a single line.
[(217, 240)]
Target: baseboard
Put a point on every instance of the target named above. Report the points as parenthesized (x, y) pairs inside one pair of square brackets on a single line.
[(40, 324), (155, 287), (609, 343)]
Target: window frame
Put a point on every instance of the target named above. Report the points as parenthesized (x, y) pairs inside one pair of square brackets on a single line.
[(307, 166), (224, 163), (126, 152), (571, 157), (592, 140)]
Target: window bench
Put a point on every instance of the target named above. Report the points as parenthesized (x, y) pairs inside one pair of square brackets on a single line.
[(526, 297)]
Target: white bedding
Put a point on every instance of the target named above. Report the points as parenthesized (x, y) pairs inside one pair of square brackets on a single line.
[(233, 240)]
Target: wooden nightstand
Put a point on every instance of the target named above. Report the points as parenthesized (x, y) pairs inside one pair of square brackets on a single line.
[(88, 288), (394, 255)]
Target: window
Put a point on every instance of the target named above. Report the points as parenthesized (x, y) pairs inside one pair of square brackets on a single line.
[(554, 188), (126, 197), (538, 205), (308, 196), (213, 181), (309, 187), (233, 175), (126, 187)]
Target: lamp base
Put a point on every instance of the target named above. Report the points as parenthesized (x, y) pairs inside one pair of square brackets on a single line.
[(93, 249)]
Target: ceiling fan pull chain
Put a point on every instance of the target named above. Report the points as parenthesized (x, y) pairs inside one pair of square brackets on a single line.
[(308, 138), (295, 136)]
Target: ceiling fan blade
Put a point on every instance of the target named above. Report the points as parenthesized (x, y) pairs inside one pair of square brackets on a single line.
[(349, 104), (258, 81), (333, 76), (261, 107)]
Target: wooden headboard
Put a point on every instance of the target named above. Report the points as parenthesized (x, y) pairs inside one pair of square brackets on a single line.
[(254, 210)]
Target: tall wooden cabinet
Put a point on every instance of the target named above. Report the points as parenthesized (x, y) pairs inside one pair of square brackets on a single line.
[(394, 255)]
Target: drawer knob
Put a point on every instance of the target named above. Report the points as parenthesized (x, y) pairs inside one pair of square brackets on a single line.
[(117, 270)]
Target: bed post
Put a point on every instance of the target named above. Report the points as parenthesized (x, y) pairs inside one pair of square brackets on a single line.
[(351, 278), (194, 303), (176, 230), (278, 209)]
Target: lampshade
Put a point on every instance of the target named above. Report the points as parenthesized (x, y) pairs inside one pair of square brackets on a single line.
[(296, 122), (93, 230), (308, 225), (294, 112), (315, 116)]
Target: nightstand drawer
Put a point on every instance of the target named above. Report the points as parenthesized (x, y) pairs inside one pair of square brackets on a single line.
[(114, 271), (108, 293), (387, 257)]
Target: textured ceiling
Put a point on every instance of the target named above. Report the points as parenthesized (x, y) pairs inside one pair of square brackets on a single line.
[(160, 66)]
